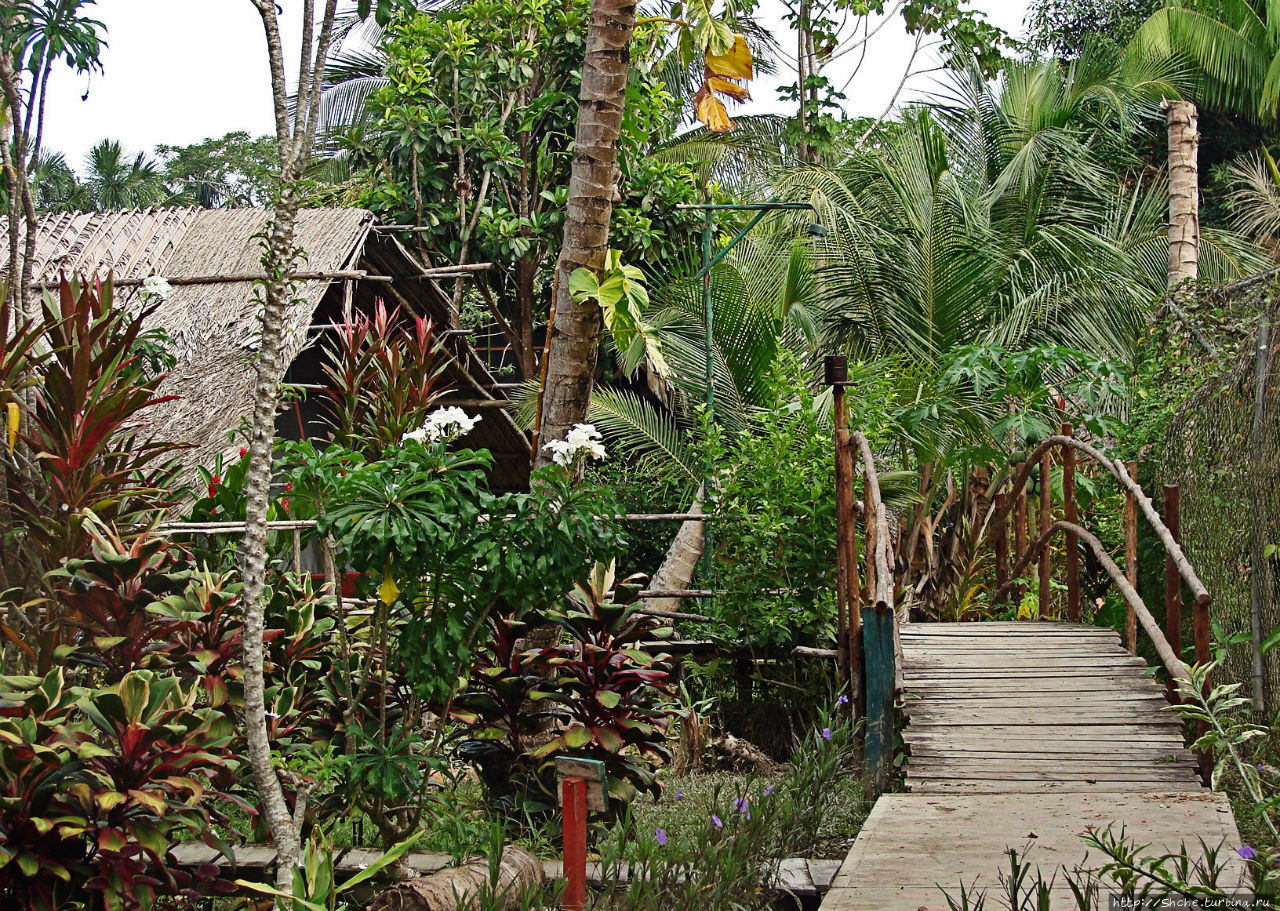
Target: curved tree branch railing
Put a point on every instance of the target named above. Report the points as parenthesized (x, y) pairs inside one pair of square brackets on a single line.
[(1173, 664)]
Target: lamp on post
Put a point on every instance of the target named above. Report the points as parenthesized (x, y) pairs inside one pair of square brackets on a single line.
[(835, 373)]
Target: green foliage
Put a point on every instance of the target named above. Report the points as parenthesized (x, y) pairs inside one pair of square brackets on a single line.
[(775, 519), (315, 885), (719, 858), (231, 171), (423, 522), (607, 694), (97, 784), (1064, 28)]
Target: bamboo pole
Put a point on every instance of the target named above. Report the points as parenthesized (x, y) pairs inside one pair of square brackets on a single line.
[(1070, 514), (1173, 664), (1131, 561)]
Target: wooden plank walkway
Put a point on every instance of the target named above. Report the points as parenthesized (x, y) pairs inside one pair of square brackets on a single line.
[(1024, 734)]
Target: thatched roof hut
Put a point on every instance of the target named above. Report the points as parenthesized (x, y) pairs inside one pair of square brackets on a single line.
[(211, 258)]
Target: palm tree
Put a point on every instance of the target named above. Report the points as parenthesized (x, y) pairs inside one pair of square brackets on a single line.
[(116, 181), (1235, 51)]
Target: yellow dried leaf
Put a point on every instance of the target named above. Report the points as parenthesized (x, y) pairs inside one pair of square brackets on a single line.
[(712, 112), (728, 87), (736, 64)]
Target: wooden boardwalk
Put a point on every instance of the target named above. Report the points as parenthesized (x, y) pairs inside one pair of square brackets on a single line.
[(1021, 735)]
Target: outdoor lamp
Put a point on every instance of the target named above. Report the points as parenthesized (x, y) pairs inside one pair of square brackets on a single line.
[(817, 229), (835, 369)]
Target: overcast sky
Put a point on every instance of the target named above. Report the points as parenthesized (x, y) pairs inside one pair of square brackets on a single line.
[(178, 71)]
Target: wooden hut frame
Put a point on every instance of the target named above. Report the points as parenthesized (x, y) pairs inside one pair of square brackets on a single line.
[(212, 259)]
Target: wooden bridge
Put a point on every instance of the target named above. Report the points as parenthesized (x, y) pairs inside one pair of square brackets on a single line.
[(1018, 735)]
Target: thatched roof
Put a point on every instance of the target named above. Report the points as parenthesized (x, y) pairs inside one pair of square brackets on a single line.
[(208, 255)]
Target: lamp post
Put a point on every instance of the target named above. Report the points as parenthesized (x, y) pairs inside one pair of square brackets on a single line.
[(709, 262)]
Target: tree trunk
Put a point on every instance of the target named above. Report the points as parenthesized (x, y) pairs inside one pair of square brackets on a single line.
[(464, 888), (1184, 192), (575, 337)]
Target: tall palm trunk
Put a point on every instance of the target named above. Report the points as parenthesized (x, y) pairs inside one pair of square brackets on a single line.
[(575, 337), (1184, 192)]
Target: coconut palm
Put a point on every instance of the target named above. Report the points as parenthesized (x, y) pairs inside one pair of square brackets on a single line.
[(114, 180), (1234, 47)]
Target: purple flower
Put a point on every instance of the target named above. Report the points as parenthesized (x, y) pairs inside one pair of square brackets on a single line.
[(715, 821), (1247, 852), (843, 700), (741, 804), (768, 790), (678, 795), (660, 835), (826, 733)]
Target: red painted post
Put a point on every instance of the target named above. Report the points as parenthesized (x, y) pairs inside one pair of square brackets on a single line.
[(573, 798), (1071, 542), (1131, 560), (1201, 627), (1020, 531)]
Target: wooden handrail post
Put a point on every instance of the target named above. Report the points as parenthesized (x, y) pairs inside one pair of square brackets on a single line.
[(1020, 530), (1131, 560), (1172, 580), (881, 673), (1000, 539), (1045, 520), (844, 514), (1200, 624), (1072, 544)]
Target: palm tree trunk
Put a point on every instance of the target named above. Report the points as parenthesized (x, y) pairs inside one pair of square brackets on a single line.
[(1184, 192), (681, 560), (575, 338)]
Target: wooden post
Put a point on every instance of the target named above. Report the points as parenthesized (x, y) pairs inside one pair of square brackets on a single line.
[(844, 516), (1172, 582), (1044, 520), (1000, 537), (1020, 531), (573, 792), (879, 666), (1071, 514), (869, 521), (1131, 560), (856, 691), (1200, 624)]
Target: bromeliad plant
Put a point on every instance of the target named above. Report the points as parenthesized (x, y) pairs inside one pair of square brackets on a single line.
[(96, 786)]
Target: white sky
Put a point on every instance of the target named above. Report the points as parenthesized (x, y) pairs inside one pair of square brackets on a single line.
[(179, 71)]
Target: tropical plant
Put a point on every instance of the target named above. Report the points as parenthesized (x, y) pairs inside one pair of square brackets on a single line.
[(608, 695), (97, 786), (1233, 46), (114, 180), (384, 372), (85, 454)]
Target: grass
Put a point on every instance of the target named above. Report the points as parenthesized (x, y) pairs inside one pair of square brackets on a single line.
[(688, 800)]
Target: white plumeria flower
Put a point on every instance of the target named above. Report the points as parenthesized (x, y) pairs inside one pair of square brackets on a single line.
[(156, 286), (582, 441), (443, 426)]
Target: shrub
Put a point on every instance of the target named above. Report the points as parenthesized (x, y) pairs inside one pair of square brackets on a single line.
[(610, 699), (95, 786)]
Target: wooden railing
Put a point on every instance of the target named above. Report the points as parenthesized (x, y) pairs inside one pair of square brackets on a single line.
[(868, 649), (1178, 569)]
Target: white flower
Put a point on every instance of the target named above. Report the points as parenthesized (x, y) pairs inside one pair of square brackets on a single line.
[(155, 286), (582, 441), (443, 425)]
